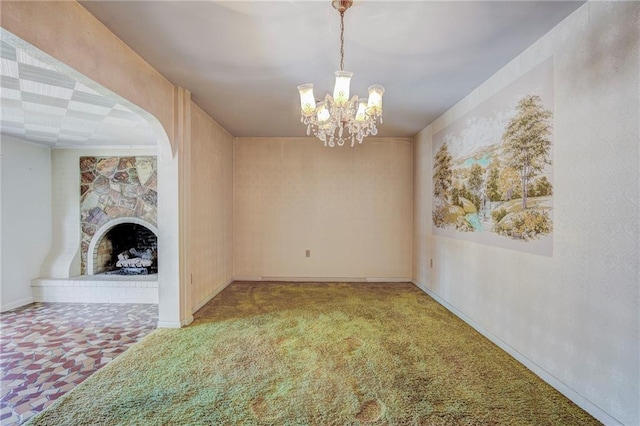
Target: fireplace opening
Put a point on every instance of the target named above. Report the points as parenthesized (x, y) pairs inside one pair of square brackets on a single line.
[(127, 249)]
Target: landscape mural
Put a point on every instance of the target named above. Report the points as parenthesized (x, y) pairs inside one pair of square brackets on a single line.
[(493, 172)]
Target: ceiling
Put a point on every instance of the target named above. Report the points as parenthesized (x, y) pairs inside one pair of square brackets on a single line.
[(243, 60), (44, 105)]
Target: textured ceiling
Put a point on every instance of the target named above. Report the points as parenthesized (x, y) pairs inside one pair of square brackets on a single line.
[(45, 106), (242, 60)]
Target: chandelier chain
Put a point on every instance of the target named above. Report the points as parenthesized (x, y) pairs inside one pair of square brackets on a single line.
[(342, 41)]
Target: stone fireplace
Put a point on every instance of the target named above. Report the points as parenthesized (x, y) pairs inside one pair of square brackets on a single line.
[(118, 214)]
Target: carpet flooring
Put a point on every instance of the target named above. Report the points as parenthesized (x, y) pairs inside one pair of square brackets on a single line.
[(316, 354)]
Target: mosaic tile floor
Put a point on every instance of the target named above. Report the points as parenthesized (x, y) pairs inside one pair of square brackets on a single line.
[(46, 349)]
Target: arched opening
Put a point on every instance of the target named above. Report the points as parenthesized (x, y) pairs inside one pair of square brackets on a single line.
[(64, 259)]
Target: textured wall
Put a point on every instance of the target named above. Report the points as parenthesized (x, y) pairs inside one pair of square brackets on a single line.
[(575, 315), (350, 207), (211, 212), (26, 217)]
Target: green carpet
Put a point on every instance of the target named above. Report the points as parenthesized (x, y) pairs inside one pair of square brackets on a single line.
[(316, 354)]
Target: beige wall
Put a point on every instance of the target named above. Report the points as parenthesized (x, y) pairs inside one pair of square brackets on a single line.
[(211, 212), (574, 317), (352, 208)]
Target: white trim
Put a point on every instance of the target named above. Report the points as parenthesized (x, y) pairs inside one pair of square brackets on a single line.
[(557, 384), (210, 296), (168, 324), (97, 237), (18, 303)]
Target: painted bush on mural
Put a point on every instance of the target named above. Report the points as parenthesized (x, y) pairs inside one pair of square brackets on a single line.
[(502, 187)]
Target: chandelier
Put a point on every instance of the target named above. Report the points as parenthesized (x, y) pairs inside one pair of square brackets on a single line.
[(337, 118)]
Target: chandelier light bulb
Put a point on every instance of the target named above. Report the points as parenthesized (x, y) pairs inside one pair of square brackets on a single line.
[(307, 99), (341, 89), (374, 105), (361, 114), (323, 113)]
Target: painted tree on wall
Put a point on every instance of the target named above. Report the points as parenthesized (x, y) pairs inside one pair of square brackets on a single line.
[(476, 179), (492, 182), (527, 141), (509, 183), (442, 175)]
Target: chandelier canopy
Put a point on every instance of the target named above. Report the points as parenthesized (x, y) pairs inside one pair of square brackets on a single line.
[(338, 118)]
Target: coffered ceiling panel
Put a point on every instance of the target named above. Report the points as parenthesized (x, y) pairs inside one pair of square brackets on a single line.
[(42, 105)]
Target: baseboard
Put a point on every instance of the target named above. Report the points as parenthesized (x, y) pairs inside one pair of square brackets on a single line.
[(211, 296), (169, 324), (327, 279), (389, 280), (557, 384), (186, 321), (18, 303)]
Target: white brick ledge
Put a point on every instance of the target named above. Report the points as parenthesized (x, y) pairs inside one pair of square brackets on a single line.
[(96, 289)]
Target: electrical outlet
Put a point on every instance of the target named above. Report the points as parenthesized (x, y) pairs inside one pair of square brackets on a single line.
[(307, 253)]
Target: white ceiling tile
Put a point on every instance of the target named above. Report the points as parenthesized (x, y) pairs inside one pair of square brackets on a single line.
[(45, 100), (86, 116), (10, 103), (120, 122), (53, 78), (79, 124), (47, 109), (8, 125), (9, 68), (45, 89), (100, 111), (10, 83), (88, 98), (44, 130), (7, 51), (9, 94), (126, 115), (11, 113), (38, 119), (72, 138)]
